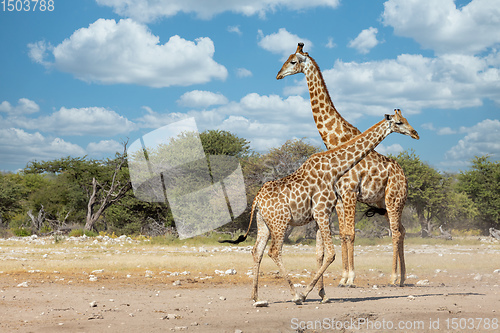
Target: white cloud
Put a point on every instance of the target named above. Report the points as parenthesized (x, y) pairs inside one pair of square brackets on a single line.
[(481, 139), (409, 82), (82, 121), (235, 29), (24, 106), (330, 44), (243, 72), (393, 149), (264, 120), (366, 40), (127, 52), (197, 98), (150, 10), (18, 146), (104, 147), (282, 42), (446, 131), (441, 26)]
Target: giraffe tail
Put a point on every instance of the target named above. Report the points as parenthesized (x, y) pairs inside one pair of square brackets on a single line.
[(372, 210), (242, 238)]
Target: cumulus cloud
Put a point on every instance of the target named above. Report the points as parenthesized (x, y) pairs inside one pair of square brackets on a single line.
[(197, 98), (18, 146), (79, 121), (393, 149), (24, 106), (282, 42), (409, 82), (366, 40), (444, 28), (480, 139), (265, 120), (104, 147), (111, 52), (150, 10)]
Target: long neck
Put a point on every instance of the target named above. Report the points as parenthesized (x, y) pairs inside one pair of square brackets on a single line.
[(332, 127), (354, 150)]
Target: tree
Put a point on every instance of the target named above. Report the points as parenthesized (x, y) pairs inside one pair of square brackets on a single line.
[(11, 192), (426, 189), (103, 182), (482, 185)]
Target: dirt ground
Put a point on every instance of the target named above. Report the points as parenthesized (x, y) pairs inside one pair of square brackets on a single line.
[(453, 288)]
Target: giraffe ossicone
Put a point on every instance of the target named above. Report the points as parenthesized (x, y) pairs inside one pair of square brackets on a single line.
[(308, 195)]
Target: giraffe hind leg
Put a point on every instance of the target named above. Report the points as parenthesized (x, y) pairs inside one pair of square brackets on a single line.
[(258, 252), (275, 254)]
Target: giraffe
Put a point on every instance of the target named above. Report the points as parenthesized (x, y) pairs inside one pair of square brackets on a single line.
[(308, 194), (376, 180)]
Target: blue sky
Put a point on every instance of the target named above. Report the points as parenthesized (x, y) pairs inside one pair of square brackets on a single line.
[(90, 74)]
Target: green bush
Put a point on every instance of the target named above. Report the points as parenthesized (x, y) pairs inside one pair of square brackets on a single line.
[(21, 232), (81, 232)]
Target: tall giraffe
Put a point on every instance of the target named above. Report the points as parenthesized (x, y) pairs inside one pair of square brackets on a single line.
[(376, 180), (308, 194)]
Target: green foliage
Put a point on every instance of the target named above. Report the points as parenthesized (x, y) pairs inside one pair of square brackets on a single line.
[(21, 232), (433, 195), (81, 232), (11, 194), (482, 185)]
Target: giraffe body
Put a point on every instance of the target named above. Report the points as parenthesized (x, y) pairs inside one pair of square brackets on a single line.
[(376, 180), (308, 194)]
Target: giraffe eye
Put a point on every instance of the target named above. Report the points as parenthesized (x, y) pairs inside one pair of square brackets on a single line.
[(293, 62)]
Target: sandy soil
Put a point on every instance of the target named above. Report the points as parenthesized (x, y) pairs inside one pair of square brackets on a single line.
[(460, 296)]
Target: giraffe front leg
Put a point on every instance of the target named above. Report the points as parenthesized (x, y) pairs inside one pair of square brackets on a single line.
[(324, 227), (275, 254), (320, 254)]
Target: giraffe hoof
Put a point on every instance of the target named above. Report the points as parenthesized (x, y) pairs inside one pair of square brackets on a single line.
[(326, 300), (299, 299)]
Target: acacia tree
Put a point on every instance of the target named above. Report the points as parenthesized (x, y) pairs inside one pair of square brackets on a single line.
[(482, 185), (103, 182), (426, 189), (11, 192)]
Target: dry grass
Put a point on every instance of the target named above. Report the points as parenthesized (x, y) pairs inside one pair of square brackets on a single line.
[(118, 260)]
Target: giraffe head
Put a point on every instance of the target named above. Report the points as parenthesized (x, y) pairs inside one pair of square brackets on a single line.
[(295, 63), (399, 124)]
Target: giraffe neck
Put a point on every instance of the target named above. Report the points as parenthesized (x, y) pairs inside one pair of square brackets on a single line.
[(332, 127), (350, 153)]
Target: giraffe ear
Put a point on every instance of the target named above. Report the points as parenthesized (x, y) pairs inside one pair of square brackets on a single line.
[(302, 58)]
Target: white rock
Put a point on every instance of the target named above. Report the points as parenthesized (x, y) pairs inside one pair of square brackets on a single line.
[(496, 271), (97, 271), (260, 304), (92, 278), (222, 298), (177, 283), (93, 304), (172, 316), (23, 284), (478, 277), (423, 283), (231, 271)]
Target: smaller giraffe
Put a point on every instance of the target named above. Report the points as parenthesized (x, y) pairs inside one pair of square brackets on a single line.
[(308, 194)]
